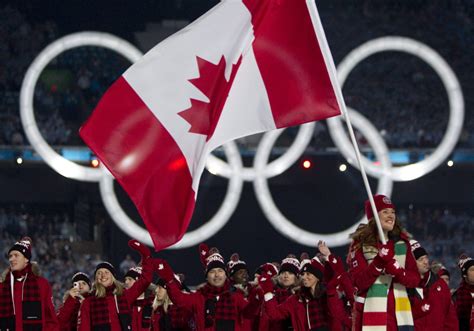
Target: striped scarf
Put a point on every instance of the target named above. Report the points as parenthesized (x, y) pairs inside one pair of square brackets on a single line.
[(375, 307)]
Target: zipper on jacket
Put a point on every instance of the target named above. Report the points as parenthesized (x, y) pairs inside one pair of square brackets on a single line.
[(307, 314), (12, 281), (23, 287), (116, 303)]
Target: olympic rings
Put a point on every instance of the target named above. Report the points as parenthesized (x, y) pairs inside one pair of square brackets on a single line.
[(75, 171), (261, 170), (281, 223), (192, 238), (274, 168), (455, 97), (63, 166)]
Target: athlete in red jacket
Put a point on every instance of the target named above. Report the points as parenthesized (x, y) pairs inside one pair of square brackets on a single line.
[(316, 306), (168, 316), (217, 306), (239, 277), (141, 307), (368, 260), (431, 302), (464, 295), (109, 307), (286, 281), (341, 285), (25, 298), (69, 311)]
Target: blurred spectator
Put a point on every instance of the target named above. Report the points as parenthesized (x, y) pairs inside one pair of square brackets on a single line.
[(66, 92), (444, 233), (401, 95), (127, 263)]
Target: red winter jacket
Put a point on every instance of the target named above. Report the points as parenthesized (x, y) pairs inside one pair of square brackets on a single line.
[(464, 299), (330, 305), (177, 319), (50, 321), (141, 314), (363, 275), (67, 314), (433, 309), (249, 323), (341, 286), (296, 308), (264, 323), (195, 302), (131, 294)]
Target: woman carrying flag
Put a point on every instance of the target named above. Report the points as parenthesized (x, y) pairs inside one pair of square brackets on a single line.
[(382, 272)]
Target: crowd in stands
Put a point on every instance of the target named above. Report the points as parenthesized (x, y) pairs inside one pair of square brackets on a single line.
[(439, 230), (445, 233), (67, 90), (407, 103), (21, 42), (308, 293)]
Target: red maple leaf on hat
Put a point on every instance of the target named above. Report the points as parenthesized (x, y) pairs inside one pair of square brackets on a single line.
[(204, 116)]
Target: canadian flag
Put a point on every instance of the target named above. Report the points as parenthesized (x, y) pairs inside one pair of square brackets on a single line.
[(246, 66)]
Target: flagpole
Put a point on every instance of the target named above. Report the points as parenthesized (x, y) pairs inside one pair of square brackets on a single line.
[(340, 99)]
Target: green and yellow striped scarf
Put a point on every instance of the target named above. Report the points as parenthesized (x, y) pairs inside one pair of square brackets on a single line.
[(375, 307)]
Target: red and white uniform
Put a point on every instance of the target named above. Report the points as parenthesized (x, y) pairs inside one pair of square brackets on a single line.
[(464, 303), (68, 313), (432, 307), (112, 305), (196, 303), (363, 276)]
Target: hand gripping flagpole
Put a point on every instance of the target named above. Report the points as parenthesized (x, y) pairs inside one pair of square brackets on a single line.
[(318, 28)]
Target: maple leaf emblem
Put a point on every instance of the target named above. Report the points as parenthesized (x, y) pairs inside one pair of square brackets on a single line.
[(204, 116)]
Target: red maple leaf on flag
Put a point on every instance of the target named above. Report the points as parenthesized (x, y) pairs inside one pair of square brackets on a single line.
[(204, 116)]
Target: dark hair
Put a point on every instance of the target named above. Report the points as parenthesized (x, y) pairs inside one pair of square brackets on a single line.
[(319, 290), (367, 234)]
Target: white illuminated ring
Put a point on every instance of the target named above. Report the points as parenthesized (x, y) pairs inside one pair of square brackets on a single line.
[(305, 132), (63, 166), (191, 238), (295, 233), (261, 171), (72, 170), (455, 97)]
